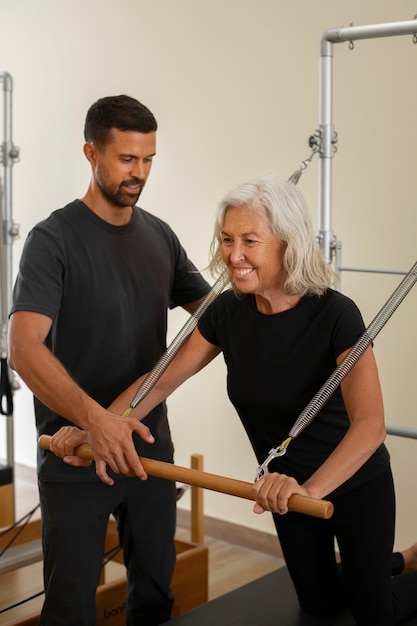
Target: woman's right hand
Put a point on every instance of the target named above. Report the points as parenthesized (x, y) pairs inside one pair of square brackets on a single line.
[(273, 491)]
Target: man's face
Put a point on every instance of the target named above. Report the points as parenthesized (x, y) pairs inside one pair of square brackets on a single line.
[(123, 166)]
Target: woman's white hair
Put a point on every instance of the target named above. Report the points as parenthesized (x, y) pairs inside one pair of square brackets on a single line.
[(283, 206)]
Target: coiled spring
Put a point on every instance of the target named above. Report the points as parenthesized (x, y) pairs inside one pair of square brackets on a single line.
[(178, 341), (354, 354)]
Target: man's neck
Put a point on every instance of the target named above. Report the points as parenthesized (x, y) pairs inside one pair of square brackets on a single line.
[(116, 215)]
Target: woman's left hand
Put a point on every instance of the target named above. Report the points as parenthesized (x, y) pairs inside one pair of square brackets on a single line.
[(273, 491)]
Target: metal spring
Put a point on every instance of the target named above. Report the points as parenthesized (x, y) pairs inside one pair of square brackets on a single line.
[(354, 354), (158, 369)]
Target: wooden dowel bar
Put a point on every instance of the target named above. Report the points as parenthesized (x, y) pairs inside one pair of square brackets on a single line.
[(214, 482)]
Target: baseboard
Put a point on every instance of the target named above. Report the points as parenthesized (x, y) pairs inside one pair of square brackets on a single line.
[(234, 533)]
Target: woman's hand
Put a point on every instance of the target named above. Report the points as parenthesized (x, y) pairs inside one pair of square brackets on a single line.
[(64, 442), (273, 491)]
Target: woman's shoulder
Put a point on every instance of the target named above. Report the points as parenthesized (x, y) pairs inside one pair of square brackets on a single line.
[(342, 303), (231, 299), (224, 306), (335, 300), (338, 311)]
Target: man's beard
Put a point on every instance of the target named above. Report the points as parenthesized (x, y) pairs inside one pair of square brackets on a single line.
[(116, 194)]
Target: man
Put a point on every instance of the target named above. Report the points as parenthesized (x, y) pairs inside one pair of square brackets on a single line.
[(89, 315)]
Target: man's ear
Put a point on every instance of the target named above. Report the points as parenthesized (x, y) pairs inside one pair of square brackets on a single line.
[(90, 152)]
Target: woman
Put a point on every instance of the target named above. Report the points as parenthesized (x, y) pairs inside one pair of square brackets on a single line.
[(283, 330)]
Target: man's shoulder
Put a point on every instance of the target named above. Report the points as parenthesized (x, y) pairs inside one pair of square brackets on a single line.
[(61, 214)]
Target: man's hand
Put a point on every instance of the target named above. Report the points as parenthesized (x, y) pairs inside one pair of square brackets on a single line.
[(110, 438)]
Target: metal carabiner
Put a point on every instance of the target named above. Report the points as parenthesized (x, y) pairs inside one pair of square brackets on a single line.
[(274, 453)]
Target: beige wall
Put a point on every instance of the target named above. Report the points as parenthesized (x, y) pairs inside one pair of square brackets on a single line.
[(234, 85)]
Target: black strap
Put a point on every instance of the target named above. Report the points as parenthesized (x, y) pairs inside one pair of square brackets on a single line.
[(5, 390)]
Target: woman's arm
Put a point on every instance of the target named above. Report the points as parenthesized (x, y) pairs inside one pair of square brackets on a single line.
[(362, 396), (194, 355)]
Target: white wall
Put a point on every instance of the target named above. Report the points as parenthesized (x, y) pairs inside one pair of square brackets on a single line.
[(234, 86)]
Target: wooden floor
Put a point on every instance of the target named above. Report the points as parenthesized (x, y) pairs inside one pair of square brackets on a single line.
[(230, 565)]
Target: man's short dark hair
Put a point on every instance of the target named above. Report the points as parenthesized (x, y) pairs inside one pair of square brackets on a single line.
[(121, 112)]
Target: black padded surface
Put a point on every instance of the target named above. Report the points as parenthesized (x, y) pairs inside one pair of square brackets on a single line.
[(268, 601)]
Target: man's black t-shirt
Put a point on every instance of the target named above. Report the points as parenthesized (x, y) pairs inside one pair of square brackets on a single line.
[(107, 290)]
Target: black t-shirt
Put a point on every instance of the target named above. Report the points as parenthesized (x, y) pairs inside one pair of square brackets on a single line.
[(275, 366), (107, 290)]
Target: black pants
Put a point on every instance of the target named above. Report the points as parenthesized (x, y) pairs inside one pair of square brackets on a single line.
[(363, 524), (74, 523)]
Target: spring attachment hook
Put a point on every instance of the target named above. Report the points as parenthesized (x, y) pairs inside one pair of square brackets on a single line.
[(295, 177), (274, 453)]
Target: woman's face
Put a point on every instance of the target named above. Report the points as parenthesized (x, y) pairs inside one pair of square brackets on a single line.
[(252, 253)]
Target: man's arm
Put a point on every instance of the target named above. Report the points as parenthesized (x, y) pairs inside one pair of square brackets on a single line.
[(110, 435), (195, 354)]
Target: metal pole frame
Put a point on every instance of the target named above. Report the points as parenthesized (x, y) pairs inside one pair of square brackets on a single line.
[(9, 231), (325, 136)]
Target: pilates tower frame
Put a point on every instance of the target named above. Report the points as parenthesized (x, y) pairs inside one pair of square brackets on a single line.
[(325, 138)]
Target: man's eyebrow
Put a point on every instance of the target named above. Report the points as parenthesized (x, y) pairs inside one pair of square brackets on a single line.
[(135, 156)]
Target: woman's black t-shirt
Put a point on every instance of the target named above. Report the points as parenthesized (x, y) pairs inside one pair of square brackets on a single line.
[(275, 366)]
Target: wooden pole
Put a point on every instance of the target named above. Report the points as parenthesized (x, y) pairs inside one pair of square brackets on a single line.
[(230, 486), (197, 509)]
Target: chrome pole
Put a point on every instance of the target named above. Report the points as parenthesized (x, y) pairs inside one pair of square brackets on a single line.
[(9, 231)]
